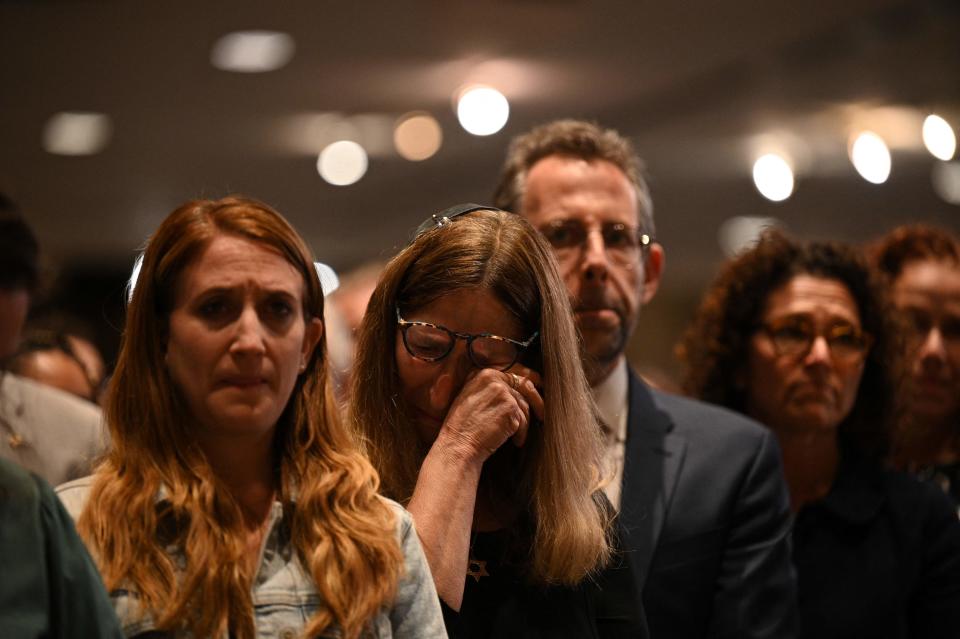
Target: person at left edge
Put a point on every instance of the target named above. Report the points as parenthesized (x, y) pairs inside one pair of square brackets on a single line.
[(233, 502), (44, 430), (49, 586)]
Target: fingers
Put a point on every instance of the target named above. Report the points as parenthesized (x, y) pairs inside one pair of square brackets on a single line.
[(490, 409), (526, 396), (526, 387), (529, 374), (519, 437)]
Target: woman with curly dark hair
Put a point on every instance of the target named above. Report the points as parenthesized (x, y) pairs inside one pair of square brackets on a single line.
[(921, 266), (796, 335)]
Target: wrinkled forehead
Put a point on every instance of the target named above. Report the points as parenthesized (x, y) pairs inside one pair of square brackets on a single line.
[(928, 282), (590, 190), (232, 262), (812, 296)]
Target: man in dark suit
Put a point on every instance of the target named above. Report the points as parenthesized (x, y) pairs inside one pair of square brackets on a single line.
[(700, 490)]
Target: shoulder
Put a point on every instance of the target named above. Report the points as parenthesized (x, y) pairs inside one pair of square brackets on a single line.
[(67, 431), (73, 495), (17, 484), (404, 520), (921, 500), (51, 400), (25, 496), (708, 422)]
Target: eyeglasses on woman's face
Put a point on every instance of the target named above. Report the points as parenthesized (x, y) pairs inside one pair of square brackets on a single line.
[(794, 337), (432, 342)]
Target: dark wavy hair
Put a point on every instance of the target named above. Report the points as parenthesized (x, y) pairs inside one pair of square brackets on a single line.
[(715, 348), (910, 243)]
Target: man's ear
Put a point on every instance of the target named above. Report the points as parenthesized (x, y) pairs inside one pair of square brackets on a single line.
[(652, 270), (311, 337)]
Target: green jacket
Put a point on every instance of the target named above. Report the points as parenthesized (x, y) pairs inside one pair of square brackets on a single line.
[(49, 586)]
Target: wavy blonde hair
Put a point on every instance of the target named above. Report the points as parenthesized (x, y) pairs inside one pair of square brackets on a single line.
[(343, 533), (556, 485)]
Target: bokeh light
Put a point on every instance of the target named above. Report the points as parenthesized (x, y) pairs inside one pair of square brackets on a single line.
[(939, 138), (252, 51), (773, 177), (482, 110), (741, 232), (76, 133), (342, 163), (946, 181), (871, 157), (417, 136)]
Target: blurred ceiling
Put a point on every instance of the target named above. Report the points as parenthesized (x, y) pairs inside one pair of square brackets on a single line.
[(701, 87)]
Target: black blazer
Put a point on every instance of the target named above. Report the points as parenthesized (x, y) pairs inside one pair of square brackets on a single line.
[(707, 520)]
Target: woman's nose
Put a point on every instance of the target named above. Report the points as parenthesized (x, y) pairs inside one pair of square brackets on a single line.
[(819, 352), (248, 338), (932, 349)]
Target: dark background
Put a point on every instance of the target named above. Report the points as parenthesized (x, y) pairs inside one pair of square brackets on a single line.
[(696, 85)]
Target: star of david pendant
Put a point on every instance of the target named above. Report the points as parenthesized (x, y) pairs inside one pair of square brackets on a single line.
[(477, 568)]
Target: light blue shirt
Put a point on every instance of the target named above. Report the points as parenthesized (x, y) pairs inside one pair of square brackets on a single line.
[(284, 595)]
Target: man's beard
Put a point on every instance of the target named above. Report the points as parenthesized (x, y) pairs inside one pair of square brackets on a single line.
[(601, 356), (600, 349)]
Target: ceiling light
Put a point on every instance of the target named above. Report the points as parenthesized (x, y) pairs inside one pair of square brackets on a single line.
[(342, 163), (871, 157), (773, 177), (939, 138), (742, 232), (482, 110), (946, 181), (76, 133), (252, 51), (417, 136)]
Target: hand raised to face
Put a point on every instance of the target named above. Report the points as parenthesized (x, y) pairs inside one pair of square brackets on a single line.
[(491, 408)]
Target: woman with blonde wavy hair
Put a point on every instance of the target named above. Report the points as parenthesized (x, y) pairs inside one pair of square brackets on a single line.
[(232, 501), (469, 391)]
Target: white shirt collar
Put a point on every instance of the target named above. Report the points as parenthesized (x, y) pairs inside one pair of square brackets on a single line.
[(611, 398)]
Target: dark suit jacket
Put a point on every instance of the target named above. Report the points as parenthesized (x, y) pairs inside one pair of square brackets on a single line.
[(707, 518)]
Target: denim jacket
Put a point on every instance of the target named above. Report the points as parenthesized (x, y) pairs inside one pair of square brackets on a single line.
[(284, 595)]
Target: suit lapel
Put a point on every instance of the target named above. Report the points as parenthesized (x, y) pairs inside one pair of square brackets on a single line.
[(653, 459)]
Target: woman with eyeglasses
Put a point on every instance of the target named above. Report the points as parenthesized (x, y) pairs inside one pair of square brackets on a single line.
[(469, 390), (921, 266), (797, 336)]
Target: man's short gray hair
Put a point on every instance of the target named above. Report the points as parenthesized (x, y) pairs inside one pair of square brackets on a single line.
[(576, 138)]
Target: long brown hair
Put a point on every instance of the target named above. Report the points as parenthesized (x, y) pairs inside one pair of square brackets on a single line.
[(559, 473), (342, 531)]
